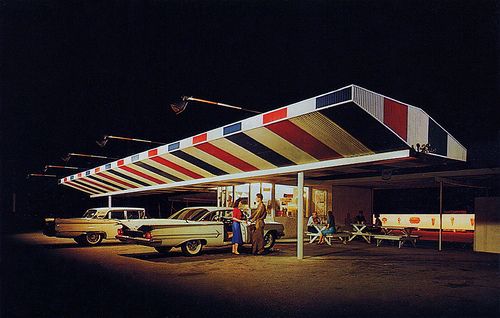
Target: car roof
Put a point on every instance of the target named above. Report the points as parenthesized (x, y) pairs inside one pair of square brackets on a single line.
[(209, 208), (116, 208)]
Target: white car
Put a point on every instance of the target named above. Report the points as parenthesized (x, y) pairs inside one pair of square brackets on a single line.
[(191, 229), (95, 225)]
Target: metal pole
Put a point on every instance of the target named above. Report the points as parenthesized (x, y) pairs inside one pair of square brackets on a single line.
[(440, 214), (221, 104), (109, 202), (300, 213), (273, 200)]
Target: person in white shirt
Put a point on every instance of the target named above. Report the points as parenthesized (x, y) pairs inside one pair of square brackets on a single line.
[(313, 219)]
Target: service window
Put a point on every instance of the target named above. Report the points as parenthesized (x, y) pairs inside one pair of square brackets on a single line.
[(116, 215)]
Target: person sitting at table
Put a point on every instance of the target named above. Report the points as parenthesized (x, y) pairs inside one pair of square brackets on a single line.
[(360, 218), (348, 220), (330, 228), (313, 219), (378, 222), (376, 228)]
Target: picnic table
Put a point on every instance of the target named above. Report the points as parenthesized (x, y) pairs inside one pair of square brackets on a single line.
[(361, 230), (342, 237), (314, 236), (404, 236)]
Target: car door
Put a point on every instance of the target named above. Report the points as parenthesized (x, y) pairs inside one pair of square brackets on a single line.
[(111, 228)]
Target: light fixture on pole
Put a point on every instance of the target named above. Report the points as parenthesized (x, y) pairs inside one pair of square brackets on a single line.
[(68, 156), (29, 175), (47, 167), (104, 140), (181, 106)]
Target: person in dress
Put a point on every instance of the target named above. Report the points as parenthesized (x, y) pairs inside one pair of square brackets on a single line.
[(330, 228), (237, 219)]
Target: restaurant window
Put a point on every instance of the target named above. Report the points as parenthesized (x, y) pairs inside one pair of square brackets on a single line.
[(254, 189), (267, 196), (319, 204), (226, 196), (287, 200), (241, 191)]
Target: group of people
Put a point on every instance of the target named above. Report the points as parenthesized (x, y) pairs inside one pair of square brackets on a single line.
[(257, 218), (330, 229), (314, 219)]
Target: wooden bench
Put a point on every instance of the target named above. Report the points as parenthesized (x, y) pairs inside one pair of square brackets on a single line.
[(311, 235), (342, 237), (400, 238)]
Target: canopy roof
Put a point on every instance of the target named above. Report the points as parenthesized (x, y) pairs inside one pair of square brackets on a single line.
[(343, 130)]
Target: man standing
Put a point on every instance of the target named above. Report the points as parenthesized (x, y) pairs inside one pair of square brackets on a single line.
[(258, 235)]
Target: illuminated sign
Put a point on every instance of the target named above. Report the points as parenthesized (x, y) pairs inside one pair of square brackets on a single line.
[(430, 221)]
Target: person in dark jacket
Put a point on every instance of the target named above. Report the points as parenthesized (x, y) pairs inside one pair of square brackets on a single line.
[(258, 218)]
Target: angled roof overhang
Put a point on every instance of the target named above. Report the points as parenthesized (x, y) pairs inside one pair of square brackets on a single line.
[(345, 129)]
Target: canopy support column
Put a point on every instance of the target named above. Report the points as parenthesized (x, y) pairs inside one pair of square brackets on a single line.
[(273, 201), (440, 215), (300, 213), (109, 202)]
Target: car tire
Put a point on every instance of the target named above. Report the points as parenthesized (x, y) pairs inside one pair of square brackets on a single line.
[(163, 249), (79, 240), (92, 239), (269, 240), (192, 248)]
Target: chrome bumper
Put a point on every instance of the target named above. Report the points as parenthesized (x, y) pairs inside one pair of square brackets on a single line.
[(138, 240)]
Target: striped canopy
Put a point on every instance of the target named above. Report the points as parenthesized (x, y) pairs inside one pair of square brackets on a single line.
[(345, 128)]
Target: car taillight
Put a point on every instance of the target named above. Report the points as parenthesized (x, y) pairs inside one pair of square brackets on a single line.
[(120, 231), (148, 235)]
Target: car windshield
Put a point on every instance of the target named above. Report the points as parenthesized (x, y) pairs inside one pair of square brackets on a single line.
[(90, 213), (189, 214)]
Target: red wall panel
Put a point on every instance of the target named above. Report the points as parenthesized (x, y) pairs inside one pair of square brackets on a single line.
[(396, 117)]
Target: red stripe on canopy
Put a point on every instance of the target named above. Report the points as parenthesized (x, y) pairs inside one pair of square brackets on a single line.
[(226, 157), (176, 167), (72, 184), (97, 184), (141, 174), (303, 140), (116, 180)]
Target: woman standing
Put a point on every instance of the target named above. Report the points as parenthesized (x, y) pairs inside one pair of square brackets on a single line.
[(237, 239)]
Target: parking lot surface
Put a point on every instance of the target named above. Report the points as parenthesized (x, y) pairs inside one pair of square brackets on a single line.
[(51, 277)]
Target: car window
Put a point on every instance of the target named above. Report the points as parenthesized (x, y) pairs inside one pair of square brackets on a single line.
[(134, 214), (209, 216), (191, 214), (217, 215), (116, 215), (90, 213), (227, 213)]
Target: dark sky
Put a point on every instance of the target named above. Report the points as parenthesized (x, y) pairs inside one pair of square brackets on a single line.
[(74, 70)]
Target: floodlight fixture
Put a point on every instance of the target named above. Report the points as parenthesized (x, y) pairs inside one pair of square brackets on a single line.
[(179, 107), (68, 156), (104, 140), (29, 175), (47, 167)]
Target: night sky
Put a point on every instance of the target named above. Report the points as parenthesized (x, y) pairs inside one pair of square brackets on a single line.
[(75, 70)]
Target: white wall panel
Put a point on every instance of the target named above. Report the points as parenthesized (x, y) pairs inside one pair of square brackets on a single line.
[(418, 127), (371, 102)]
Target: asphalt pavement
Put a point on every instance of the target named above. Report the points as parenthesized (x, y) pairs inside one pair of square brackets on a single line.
[(51, 277)]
